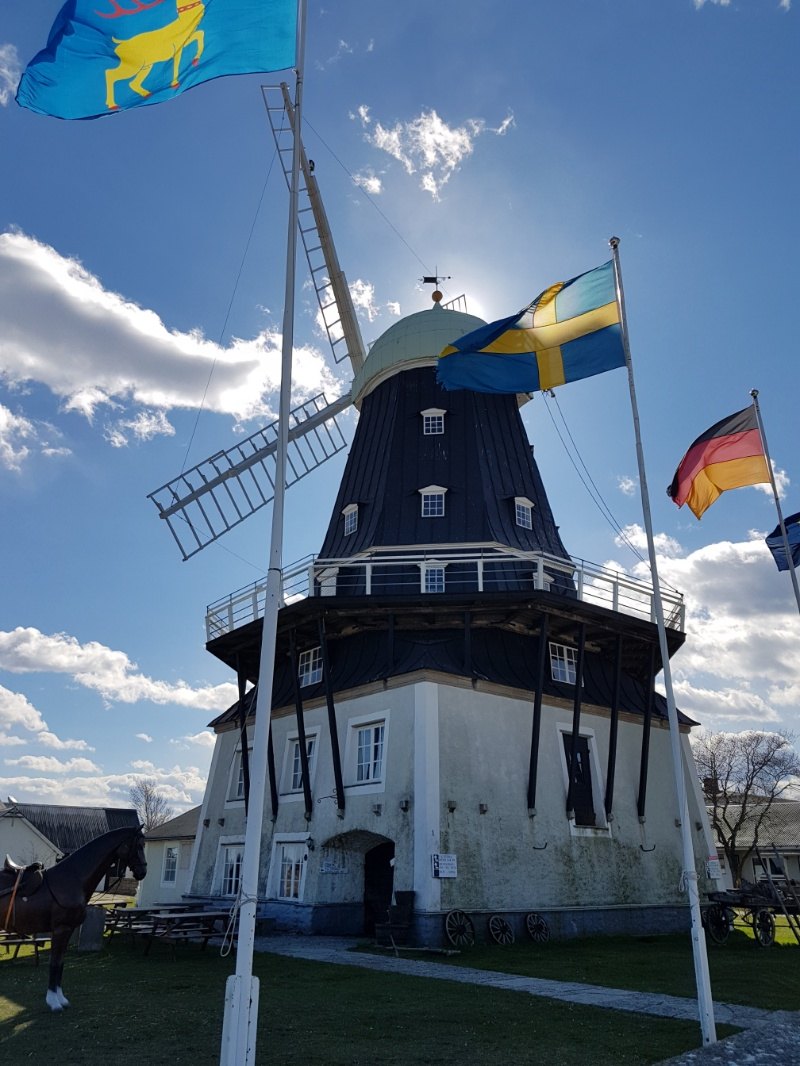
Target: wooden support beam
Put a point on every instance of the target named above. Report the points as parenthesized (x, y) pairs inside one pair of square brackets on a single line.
[(613, 730), (332, 726), (576, 718), (301, 729), (648, 717), (537, 712)]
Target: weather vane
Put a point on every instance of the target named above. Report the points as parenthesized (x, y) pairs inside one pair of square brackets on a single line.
[(434, 280)]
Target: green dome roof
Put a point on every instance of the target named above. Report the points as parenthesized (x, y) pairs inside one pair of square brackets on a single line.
[(413, 341)]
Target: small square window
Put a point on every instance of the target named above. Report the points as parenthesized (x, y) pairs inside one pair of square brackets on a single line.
[(350, 520), (433, 579), (433, 505), (432, 425), (309, 668), (563, 663), (524, 514)]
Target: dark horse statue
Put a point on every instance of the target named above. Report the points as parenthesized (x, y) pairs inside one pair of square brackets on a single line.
[(33, 900)]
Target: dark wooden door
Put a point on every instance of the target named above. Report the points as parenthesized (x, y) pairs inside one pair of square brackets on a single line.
[(582, 796), (378, 884)]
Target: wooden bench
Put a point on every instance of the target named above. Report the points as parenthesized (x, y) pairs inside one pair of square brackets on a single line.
[(17, 940)]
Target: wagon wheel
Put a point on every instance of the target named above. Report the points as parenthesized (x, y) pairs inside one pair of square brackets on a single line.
[(459, 929), (500, 930), (718, 923), (537, 927), (764, 928)]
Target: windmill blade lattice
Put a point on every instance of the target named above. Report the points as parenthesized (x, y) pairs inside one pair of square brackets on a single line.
[(226, 488)]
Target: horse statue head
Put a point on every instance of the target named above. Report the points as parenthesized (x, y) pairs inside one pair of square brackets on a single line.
[(131, 854)]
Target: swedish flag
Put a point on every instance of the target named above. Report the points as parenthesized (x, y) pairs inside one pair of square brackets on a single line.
[(571, 331), (107, 55)]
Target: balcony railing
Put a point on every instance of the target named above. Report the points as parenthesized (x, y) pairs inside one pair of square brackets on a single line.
[(429, 572)]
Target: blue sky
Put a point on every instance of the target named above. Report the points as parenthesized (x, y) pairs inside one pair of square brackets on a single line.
[(138, 250)]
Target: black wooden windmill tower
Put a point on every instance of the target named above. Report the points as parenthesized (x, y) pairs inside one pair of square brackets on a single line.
[(465, 731)]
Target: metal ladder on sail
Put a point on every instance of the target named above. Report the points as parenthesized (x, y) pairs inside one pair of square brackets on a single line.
[(330, 285)]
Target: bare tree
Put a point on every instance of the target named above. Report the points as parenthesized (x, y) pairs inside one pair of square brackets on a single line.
[(742, 776), (150, 803)]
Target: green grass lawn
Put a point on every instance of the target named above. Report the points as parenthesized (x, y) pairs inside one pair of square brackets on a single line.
[(741, 972), (127, 1009)]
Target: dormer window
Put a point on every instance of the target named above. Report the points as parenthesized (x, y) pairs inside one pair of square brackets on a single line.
[(523, 512), (563, 663), (432, 421), (433, 577), (350, 518), (309, 667), (432, 501)]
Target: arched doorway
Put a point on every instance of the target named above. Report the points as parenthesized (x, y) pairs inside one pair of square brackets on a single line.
[(378, 885)]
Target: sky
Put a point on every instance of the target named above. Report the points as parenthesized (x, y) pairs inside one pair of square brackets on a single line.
[(141, 292)]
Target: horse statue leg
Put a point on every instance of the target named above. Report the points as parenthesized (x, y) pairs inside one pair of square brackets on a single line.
[(55, 998)]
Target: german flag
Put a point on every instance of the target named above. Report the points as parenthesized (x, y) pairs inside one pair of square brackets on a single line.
[(727, 456)]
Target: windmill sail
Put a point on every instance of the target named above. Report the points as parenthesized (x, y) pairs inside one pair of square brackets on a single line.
[(226, 488)]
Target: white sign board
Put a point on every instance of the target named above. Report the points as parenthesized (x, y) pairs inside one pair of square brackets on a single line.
[(444, 865), (713, 868)]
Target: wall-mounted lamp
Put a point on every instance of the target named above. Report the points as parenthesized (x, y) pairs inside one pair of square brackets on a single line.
[(310, 844), (220, 821), (377, 808), (404, 805), (206, 823), (483, 807), (451, 805)]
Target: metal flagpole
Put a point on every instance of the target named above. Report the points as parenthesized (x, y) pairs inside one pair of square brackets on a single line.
[(786, 548), (240, 1019), (704, 999)]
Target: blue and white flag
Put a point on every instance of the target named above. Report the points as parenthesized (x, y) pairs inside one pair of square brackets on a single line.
[(775, 542), (108, 55)]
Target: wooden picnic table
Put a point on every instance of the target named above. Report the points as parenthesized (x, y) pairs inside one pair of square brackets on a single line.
[(174, 927), (135, 919)]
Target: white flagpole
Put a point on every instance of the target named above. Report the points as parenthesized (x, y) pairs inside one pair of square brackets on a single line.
[(240, 1019), (705, 1001), (786, 548)]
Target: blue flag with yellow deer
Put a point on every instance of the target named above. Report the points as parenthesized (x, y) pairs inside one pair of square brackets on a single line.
[(107, 55)]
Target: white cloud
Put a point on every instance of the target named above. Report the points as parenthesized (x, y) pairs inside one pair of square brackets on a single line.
[(627, 485), (7, 741), (50, 740), (342, 49), (363, 294), (183, 787), (93, 348), (17, 712), (145, 737), (102, 669), (203, 739), (369, 182), (742, 632), (18, 435), (10, 71), (49, 764), (145, 426), (393, 307), (427, 145), (782, 483), (635, 535), (720, 3)]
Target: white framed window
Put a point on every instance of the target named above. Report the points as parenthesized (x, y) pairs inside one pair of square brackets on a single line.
[(433, 578), (350, 519), (433, 421), (365, 752), (231, 867), (369, 753), (309, 667), (292, 776), (432, 501), (563, 663), (288, 867), (169, 871), (523, 512), (236, 782)]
